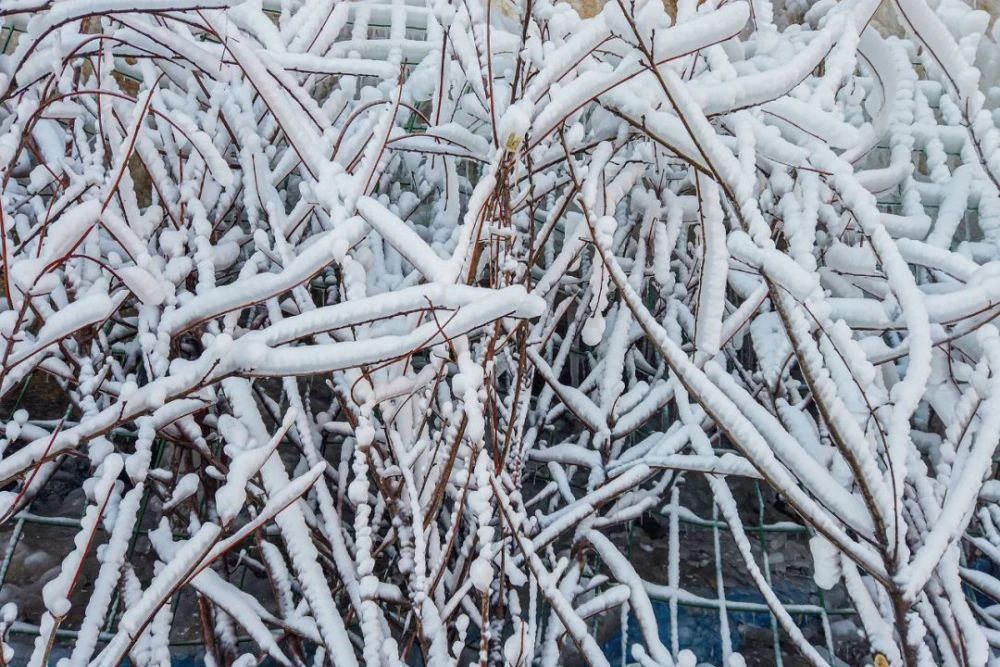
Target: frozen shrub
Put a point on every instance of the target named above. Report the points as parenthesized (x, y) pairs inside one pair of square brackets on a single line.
[(331, 285)]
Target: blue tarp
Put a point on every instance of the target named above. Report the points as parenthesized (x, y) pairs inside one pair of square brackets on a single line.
[(699, 629)]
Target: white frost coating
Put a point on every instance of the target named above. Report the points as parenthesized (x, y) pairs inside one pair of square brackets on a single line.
[(56, 592), (826, 563), (143, 284), (802, 117), (185, 487), (776, 265), (245, 461), (714, 269), (402, 238), (304, 62), (319, 253), (91, 309), (513, 126), (112, 559), (136, 617), (964, 489), (241, 606), (303, 137), (261, 360), (641, 605), (62, 236), (303, 553)]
